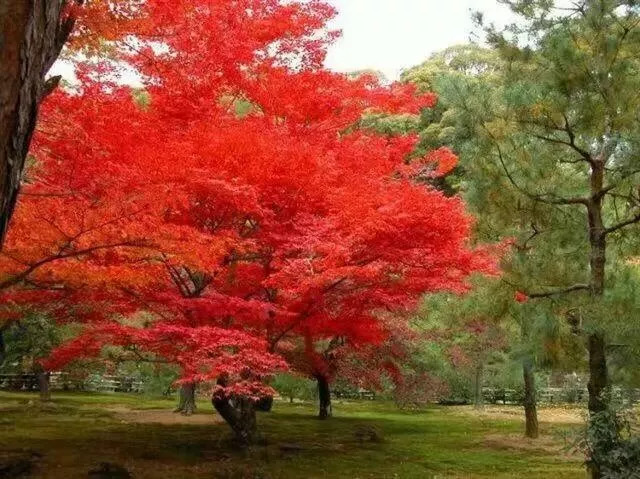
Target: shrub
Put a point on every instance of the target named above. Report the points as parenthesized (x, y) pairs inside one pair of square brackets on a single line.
[(610, 445)]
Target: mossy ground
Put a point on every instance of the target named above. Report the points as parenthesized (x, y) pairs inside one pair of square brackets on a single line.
[(77, 431)]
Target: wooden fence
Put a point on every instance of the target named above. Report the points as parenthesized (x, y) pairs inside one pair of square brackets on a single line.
[(113, 383), (557, 396), (65, 382), (353, 394)]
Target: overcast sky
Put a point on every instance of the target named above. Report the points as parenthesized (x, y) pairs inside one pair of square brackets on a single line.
[(390, 35)]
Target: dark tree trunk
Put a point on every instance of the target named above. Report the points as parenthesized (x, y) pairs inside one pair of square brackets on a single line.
[(265, 404), (3, 347), (598, 377), (43, 378), (32, 34), (324, 397), (240, 414), (187, 399), (477, 392), (530, 411)]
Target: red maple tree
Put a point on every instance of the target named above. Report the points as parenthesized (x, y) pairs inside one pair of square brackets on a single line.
[(234, 199)]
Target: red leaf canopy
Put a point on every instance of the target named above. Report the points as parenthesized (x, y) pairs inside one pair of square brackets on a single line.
[(234, 197)]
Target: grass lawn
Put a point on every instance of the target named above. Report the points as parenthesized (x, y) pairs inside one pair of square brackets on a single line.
[(77, 431)]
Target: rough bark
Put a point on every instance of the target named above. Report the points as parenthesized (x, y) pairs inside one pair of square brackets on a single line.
[(529, 401), (324, 397), (477, 392), (187, 399), (598, 376), (32, 34), (239, 413)]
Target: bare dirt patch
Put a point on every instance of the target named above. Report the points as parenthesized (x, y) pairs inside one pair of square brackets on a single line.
[(544, 444), (161, 416), (545, 415)]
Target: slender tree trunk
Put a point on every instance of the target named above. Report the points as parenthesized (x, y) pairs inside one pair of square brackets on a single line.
[(477, 392), (43, 385), (598, 376), (3, 347), (187, 399), (265, 404), (240, 414), (324, 397), (32, 34), (530, 411)]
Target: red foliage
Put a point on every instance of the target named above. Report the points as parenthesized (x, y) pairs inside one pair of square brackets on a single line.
[(241, 236)]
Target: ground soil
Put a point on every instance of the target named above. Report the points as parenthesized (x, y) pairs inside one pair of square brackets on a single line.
[(549, 415), (161, 416)]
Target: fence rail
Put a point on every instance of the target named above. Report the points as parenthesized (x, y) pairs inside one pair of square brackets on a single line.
[(65, 382), (62, 381), (557, 395), (353, 394)]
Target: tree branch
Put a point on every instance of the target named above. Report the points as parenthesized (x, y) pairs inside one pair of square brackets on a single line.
[(539, 198), (584, 156), (622, 224), (12, 281), (558, 292), (549, 294), (49, 86)]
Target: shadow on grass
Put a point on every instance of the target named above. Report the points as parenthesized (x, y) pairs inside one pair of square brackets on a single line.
[(74, 434)]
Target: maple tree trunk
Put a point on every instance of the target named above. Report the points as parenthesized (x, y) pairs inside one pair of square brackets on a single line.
[(239, 413), (3, 347), (530, 411), (324, 397), (265, 404), (187, 399), (43, 385), (477, 390), (32, 34)]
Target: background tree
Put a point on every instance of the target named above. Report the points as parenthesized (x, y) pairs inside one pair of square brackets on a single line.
[(27, 341), (558, 135), (541, 236)]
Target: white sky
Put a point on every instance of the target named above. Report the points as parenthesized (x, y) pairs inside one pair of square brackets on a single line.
[(390, 35)]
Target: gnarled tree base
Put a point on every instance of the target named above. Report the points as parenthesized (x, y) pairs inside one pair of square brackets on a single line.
[(240, 414)]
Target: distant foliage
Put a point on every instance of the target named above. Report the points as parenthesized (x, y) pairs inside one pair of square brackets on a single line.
[(292, 387), (417, 390), (33, 337)]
